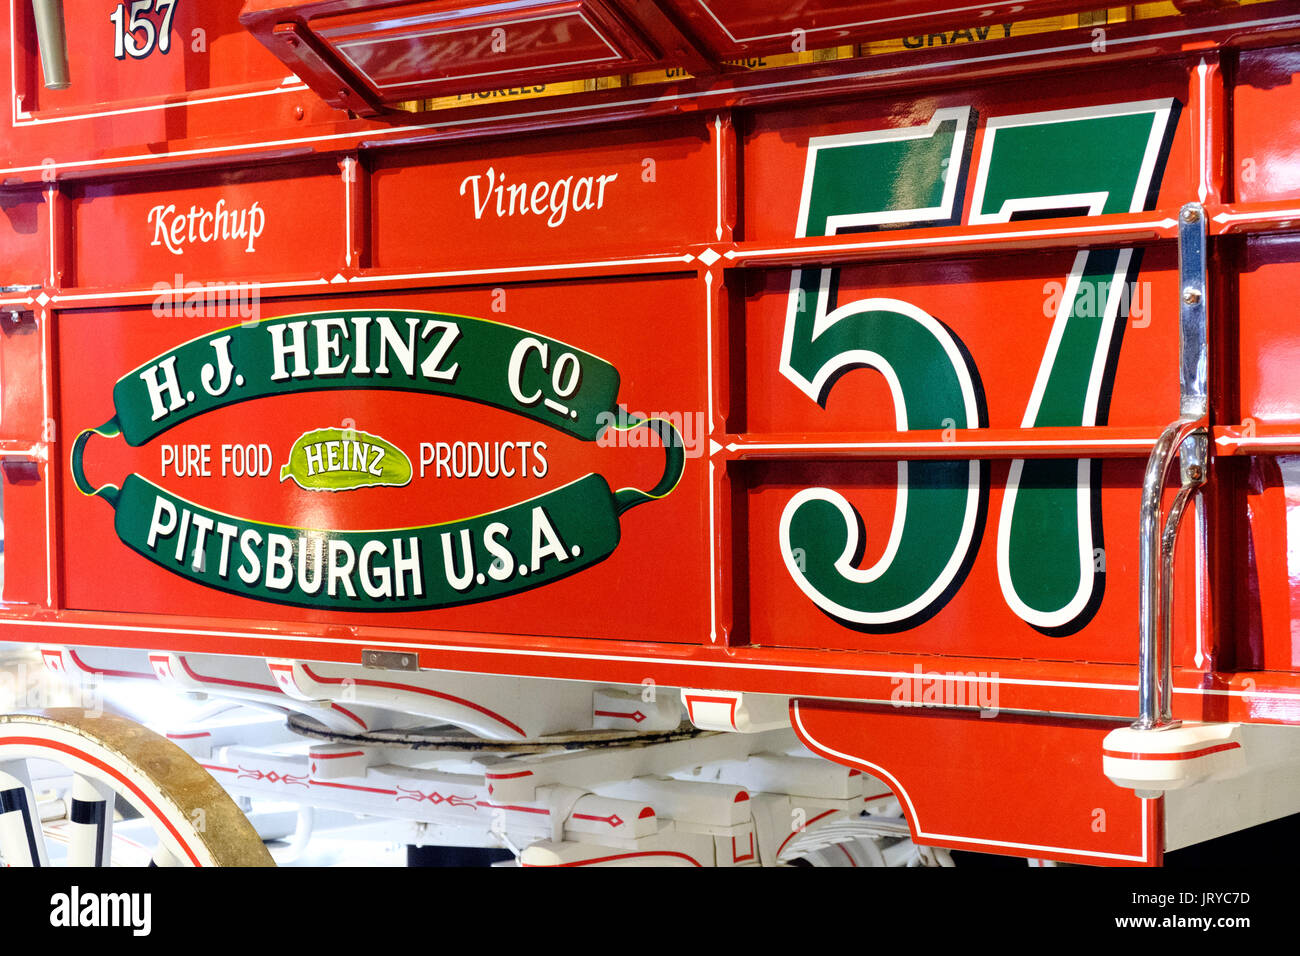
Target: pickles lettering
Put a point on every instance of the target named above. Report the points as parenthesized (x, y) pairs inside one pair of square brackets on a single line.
[(458, 562), (1093, 161)]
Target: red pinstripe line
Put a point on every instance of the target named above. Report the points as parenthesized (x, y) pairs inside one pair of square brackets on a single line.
[(348, 786), (419, 690), (1186, 755), (185, 665), (499, 806), (347, 713), (622, 856), (107, 673), (747, 856), (805, 827), (692, 699)]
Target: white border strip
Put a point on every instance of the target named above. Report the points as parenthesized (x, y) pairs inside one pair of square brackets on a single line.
[(713, 537), (681, 261), (1025, 443), (717, 167), (1263, 216), (957, 240), (624, 659)]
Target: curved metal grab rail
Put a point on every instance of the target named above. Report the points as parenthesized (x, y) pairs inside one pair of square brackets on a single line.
[(1155, 574)]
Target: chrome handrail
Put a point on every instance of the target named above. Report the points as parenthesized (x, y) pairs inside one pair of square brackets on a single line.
[(1155, 574), (1156, 544)]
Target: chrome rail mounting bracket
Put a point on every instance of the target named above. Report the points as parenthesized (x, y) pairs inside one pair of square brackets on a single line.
[(1189, 438), (1193, 339)]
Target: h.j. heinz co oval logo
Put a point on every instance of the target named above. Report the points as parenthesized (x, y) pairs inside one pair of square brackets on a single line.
[(342, 459), (479, 557)]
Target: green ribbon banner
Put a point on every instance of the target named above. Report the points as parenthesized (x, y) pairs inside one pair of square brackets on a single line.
[(482, 558), (429, 352)]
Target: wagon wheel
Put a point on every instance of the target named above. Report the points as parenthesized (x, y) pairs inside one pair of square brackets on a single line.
[(196, 822)]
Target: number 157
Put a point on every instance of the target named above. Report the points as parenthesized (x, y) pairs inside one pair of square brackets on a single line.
[(135, 34)]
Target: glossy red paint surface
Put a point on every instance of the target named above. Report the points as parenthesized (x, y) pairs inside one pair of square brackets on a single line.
[(416, 49), (1001, 308), (661, 552), (681, 280), (398, 220), (207, 50), (201, 120), (1270, 410), (225, 226), (775, 142), (25, 236), (976, 622), (1267, 106), (1270, 343), (1090, 821), (627, 192)]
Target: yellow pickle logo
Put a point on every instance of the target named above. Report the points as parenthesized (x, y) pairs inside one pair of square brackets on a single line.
[(342, 459)]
